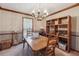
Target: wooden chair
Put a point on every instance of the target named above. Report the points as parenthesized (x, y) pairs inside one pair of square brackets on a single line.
[(50, 49)]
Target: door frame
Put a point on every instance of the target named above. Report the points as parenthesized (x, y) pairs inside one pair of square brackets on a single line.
[(23, 25)]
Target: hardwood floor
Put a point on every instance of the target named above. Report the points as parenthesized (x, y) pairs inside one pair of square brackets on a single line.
[(19, 51)]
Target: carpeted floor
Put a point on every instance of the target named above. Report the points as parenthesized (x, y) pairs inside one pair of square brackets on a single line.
[(19, 51)]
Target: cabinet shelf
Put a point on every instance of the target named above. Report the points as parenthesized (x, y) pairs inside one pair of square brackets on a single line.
[(47, 25), (51, 34), (64, 37), (62, 29), (61, 26)]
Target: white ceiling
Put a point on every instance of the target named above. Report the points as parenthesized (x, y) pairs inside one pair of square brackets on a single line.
[(28, 7)]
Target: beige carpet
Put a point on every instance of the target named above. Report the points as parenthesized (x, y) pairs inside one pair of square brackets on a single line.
[(62, 53), (19, 51)]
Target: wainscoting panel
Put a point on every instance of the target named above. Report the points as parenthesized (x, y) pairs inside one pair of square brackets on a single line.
[(75, 41)]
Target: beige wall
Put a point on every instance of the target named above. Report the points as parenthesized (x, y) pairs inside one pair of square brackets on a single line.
[(10, 21), (74, 13), (38, 25)]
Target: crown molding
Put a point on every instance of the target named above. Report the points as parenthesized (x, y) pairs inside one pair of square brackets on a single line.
[(67, 8), (10, 10), (75, 5)]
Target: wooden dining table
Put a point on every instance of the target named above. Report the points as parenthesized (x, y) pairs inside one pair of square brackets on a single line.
[(38, 43)]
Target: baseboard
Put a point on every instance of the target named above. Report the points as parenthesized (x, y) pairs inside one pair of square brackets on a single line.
[(74, 50)]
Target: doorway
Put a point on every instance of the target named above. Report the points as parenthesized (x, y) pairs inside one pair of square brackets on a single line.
[(27, 26)]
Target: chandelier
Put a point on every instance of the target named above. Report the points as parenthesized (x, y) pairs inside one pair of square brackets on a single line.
[(39, 16)]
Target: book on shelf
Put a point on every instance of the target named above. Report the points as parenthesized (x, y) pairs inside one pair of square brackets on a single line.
[(64, 21), (56, 22)]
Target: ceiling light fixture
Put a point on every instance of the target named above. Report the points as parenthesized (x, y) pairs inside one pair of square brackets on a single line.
[(38, 14)]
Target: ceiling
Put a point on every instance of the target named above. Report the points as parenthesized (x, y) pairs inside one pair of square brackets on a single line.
[(29, 7)]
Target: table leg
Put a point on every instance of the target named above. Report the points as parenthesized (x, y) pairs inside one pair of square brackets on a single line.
[(12, 39), (23, 44)]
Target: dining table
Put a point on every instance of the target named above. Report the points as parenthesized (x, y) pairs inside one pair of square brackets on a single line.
[(36, 43)]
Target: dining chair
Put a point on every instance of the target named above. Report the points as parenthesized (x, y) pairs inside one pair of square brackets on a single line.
[(50, 49)]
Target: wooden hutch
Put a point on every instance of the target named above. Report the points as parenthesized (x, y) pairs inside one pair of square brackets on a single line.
[(61, 28)]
